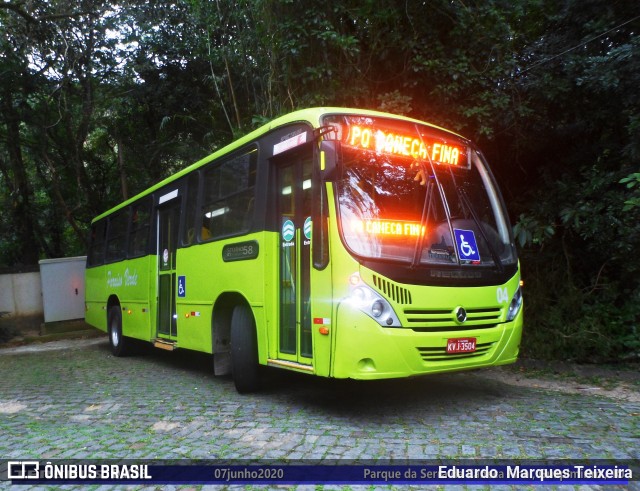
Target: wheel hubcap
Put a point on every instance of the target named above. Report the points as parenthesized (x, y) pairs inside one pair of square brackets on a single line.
[(115, 339)]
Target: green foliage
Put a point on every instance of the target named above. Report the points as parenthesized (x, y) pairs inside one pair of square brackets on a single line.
[(530, 230), (591, 325), (395, 102), (579, 225), (580, 267), (633, 183)]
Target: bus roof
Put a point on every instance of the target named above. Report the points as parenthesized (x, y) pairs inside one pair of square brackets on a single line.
[(311, 115)]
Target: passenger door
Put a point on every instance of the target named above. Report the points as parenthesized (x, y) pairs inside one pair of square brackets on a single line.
[(293, 187), (168, 225)]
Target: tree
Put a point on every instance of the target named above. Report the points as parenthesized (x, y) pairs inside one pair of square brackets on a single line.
[(576, 225)]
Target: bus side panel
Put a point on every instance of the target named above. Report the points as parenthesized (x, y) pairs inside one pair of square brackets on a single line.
[(96, 297), (327, 284), (268, 326), (134, 292), (128, 281), (205, 277), (197, 277), (322, 325)]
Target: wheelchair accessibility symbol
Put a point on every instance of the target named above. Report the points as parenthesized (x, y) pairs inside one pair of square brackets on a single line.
[(182, 286), (467, 246)]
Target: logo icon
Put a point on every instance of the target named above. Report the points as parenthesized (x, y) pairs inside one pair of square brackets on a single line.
[(288, 230), (467, 246), (461, 315), (307, 228), (25, 469)]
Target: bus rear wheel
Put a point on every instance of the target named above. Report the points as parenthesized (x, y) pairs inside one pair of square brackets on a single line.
[(244, 350), (118, 343)]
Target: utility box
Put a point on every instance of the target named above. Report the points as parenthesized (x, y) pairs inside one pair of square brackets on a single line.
[(63, 288)]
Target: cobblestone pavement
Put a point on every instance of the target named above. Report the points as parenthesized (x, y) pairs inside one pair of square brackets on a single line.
[(74, 400)]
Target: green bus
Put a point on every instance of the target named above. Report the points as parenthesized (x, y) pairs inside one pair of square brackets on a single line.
[(335, 242)]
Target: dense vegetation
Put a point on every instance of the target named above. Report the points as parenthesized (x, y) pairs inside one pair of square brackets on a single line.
[(99, 100)]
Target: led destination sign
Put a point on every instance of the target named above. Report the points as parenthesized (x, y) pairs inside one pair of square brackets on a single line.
[(370, 138), (398, 228)]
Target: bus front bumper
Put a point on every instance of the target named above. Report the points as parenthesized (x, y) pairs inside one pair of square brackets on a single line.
[(365, 350)]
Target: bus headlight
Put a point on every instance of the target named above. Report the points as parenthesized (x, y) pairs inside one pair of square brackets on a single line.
[(371, 303), (515, 305), (377, 308)]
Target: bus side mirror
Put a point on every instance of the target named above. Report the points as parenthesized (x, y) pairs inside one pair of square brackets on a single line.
[(328, 160)]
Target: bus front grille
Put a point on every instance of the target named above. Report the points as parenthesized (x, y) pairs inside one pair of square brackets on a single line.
[(453, 328), (395, 292), (440, 320), (440, 353)]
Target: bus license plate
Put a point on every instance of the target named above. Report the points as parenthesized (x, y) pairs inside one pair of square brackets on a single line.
[(461, 345)]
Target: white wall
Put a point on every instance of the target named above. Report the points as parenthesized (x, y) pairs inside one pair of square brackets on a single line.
[(20, 295)]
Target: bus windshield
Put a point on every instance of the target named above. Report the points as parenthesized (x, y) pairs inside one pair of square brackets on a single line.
[(414, 196)]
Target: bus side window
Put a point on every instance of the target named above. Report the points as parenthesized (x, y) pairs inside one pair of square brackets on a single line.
[(117, 236), (140, 224), (191, 211), (96, 246), (228, 197)]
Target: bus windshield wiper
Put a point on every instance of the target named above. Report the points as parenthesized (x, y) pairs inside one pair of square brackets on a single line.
[(462, 194), (426, 210), (428, 199)]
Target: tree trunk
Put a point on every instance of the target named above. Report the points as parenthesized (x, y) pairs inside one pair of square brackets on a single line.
[(123, 171), (19, 184)]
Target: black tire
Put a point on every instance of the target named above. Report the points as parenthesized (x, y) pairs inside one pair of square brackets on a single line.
[(120, 345), (244, 350)]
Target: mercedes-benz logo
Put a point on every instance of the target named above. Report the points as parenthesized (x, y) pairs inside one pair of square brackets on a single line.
[(461, 315)]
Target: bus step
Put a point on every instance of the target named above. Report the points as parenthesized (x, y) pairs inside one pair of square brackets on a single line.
[(289, 364), (164, 344)]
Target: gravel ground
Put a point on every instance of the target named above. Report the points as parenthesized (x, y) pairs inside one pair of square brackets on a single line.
[(73, 400)]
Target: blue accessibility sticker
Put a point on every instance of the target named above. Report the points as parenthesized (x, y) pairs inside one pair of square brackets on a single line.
[(467, 245), (182, 286)]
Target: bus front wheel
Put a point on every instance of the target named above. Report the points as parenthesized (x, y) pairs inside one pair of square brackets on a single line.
[(117, 342), (244, 350)]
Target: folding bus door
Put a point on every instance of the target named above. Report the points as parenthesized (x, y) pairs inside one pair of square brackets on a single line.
[(168, 225), (293, 181)]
